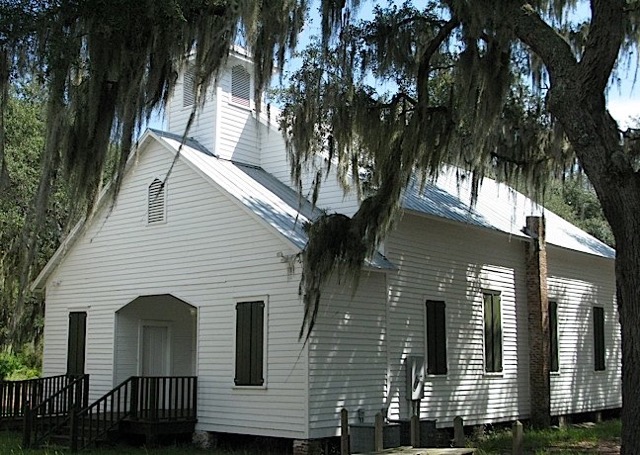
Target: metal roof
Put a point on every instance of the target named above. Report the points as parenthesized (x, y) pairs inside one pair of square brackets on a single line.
[(264, 195), (498, 207)]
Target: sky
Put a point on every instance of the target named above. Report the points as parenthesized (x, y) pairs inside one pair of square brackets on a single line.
[(623, 95)]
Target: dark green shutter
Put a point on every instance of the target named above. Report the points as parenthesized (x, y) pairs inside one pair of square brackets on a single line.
[(76, 342), (553, 336), (492, 333), (598, 338), (249, 343), (497, 334), (257, 328), (436, 338)]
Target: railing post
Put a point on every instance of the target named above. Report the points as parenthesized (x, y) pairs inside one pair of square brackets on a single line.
[(26, 428), (74, 429), (134, 397), (344, 432), (85, 391), (195, 397), (154, 398)]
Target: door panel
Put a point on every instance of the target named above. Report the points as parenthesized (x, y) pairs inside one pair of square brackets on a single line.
[(155, 350)]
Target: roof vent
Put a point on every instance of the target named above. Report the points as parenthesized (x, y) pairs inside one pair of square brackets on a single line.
[(240, 86), (189, 86), (156, 202)]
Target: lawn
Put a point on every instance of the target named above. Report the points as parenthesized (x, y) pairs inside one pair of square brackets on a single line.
[(588, 438), (601, 438), (10, 444)]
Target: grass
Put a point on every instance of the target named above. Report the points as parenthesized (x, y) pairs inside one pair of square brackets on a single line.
[(577, 439), (602, 438), (10, 444)]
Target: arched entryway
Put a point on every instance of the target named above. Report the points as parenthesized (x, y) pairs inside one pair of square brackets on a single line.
[(155, 336)]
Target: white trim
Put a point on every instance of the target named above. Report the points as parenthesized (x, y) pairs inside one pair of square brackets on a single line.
[(265, 338)]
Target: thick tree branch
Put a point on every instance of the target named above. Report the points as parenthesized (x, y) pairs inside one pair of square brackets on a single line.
[(425, 58), (543, 40), (606, 34)]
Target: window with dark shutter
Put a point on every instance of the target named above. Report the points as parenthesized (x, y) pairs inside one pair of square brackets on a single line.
[(76, 343), (492, 333), (598, 338), (249, 343), (553, 336), (436, 338), (240, 86), (189, 86), (156, 202)]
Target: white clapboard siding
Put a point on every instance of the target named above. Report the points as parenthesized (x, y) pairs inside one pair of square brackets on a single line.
[(347, 354), (209, 253), (578, 282), (446, 261), (237, 125), (204, 126)]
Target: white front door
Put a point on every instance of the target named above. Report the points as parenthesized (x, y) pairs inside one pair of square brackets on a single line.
[(155, 350)]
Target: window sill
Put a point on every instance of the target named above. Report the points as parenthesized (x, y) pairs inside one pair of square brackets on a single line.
[(249, 387), (241, 106), (493, 374)]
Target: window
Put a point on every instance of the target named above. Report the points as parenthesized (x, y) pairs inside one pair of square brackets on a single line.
[(189, 86), (249, 343), (492, 333), (553, 336), (240, 86), (76, 342), (598, 338), (436, 338), (156, 202)]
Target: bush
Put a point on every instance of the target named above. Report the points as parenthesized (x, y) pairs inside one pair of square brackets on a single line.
[(22, 365)]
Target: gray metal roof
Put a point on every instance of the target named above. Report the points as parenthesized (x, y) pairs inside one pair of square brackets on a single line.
[(264, 195), (498, 206)]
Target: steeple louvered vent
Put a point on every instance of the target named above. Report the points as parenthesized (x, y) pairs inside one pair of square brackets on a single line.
[(189, 87), (240, 86), (156, 202)]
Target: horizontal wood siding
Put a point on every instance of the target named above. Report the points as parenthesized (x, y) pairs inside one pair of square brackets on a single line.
[(209, 253), (237, 126), (577, 283), (445, 261), (347, 355), (203, 128)]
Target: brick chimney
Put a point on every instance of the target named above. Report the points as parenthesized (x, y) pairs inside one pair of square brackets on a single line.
[(538, 310)]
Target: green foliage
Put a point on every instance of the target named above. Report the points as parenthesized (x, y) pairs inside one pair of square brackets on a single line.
[(576, 439), (21, 365), (575, 200), (23, 145)]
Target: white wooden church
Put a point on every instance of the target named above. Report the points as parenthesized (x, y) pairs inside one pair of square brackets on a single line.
[(189, 276)]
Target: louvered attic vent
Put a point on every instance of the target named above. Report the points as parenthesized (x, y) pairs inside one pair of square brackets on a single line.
[(156, 202), (189, 87), (240, 86)]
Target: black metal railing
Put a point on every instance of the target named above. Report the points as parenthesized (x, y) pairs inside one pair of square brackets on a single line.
[(47, 417), (148, 399), (14, 394)]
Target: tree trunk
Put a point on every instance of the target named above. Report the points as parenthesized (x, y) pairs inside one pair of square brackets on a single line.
[(595, 137)]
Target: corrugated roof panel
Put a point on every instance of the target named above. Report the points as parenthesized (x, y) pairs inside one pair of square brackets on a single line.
[(271, 200), (498, 207)]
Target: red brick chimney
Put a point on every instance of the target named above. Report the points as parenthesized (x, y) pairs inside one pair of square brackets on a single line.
[(538, 310)]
